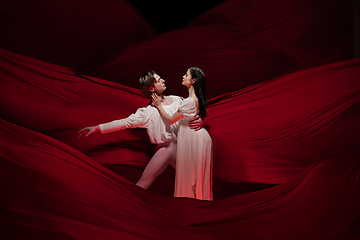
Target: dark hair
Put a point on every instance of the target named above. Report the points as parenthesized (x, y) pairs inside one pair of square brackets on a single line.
[(199, 86), (147, 81)]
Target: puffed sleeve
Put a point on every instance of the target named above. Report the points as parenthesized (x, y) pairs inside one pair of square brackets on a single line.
[(177, 99), (136, 120), (187, 107)]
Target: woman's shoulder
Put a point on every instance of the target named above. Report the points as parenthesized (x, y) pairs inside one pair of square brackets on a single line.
[(177, 100), (188, 105), (190, 100)]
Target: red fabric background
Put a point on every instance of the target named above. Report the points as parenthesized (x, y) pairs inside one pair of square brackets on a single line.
[(299, 130), (55, 192), (70, 33), (271, 125), (240, 43)]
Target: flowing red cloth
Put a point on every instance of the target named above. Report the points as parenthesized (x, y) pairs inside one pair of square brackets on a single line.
[(266, 133), (52, 191), (70, 33), (300, 130), (240, 43)]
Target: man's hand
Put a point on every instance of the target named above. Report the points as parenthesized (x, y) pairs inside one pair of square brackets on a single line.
[(88, 130), (197, 123)]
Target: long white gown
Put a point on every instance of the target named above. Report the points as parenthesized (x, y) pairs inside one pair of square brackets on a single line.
[(193, 158)]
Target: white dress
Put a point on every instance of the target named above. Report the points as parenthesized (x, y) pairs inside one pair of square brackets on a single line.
[(194, 157)]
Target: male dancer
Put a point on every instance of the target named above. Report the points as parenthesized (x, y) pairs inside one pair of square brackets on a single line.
[(160, 133)]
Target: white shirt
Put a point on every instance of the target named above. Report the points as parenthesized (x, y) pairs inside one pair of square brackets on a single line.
[(148, 117)]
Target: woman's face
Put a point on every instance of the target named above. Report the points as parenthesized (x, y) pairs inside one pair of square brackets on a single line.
[(159, 84), (187, 79)]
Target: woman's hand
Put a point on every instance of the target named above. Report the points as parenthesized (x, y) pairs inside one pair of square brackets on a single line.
[(88, 131), (156, 99)]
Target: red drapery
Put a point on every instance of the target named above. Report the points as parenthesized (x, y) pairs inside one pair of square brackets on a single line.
[(70, 33), (271, 125), (52, 191), (300, 130), (240, 43)]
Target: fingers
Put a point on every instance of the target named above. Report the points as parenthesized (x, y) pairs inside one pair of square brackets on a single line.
[(193, 124), (196, 124), (196, 119), (196, 128), (83, 132), (153, 97)]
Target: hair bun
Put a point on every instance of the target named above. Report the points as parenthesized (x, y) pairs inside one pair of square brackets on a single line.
[(199, 70)]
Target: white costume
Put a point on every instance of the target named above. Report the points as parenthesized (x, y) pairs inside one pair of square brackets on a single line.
[(193, 158), (148, 117), (159, 132)]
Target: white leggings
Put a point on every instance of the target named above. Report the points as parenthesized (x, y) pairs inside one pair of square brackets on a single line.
[(164, 156)]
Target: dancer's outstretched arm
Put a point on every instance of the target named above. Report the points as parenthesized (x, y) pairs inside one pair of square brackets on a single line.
[(136, 120)]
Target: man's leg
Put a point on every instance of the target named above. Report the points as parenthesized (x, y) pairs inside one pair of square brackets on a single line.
[(164, 156)]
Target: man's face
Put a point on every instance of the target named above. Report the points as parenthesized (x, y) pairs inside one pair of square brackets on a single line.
[(159, 85)]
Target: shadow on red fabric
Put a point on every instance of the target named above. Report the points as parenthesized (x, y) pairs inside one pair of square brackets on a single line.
[(239, 43), (284, 113), (53, 191), (70, 33)]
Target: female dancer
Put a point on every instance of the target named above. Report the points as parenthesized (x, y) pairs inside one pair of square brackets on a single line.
[(194, 148)]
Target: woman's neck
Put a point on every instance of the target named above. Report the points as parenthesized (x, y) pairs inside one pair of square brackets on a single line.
[(192, 92)]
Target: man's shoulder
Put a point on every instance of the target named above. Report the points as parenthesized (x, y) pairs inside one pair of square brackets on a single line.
[(145, 110), (150, 109)]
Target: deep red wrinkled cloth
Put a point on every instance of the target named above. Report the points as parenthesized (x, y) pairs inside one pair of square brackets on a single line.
[(239, 43), (296, 130), (70, 33), (284, 124), (52, 191), (299, 131)]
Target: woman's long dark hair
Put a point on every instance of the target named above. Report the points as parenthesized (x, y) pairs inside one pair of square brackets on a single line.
[(199, 86)]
